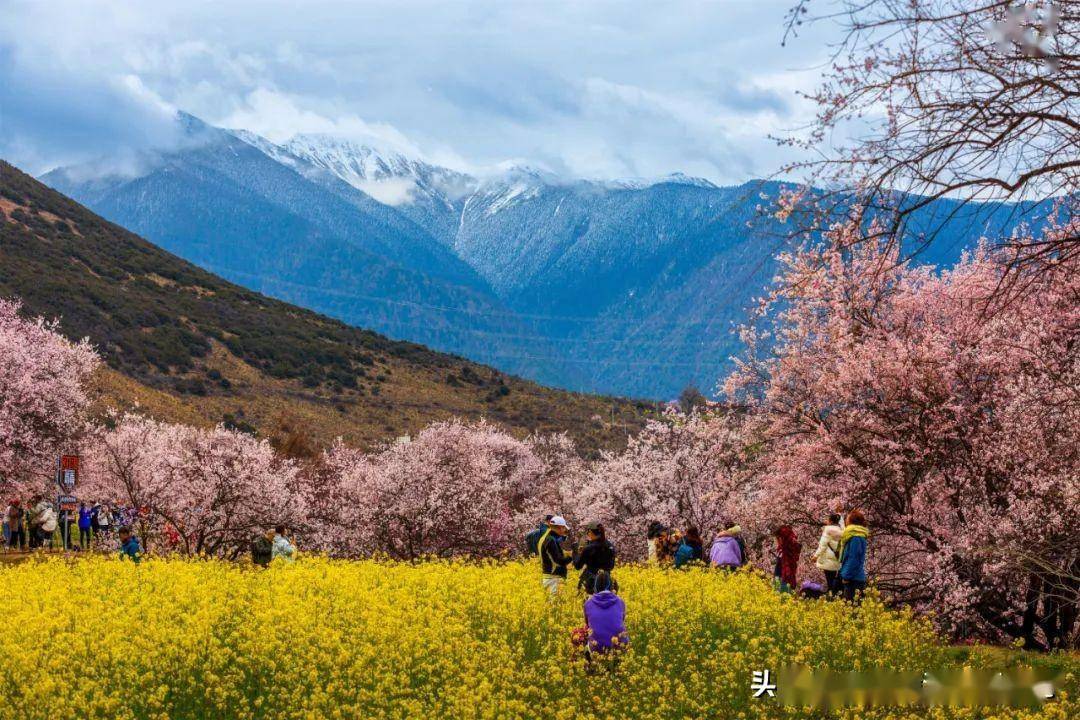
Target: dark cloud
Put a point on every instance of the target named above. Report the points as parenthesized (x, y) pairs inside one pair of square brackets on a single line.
[(55, 119)]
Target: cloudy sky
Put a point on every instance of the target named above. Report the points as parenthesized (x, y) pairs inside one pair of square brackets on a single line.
[(592, 89)]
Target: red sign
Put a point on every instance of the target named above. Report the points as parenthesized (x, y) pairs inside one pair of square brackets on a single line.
[(68, 472)]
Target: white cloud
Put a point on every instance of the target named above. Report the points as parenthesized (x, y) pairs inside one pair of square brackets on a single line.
[(278, 117), (392, 191), (595, 89), (145, 97)]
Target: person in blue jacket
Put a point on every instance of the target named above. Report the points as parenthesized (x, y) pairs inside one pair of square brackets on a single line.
[(129, 545), (691, 549), (85, 522), (853, 556)]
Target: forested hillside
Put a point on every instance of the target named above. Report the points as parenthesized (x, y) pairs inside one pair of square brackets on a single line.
[(189, 346)]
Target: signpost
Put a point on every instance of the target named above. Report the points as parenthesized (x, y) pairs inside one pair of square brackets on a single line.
[(68, 471), (67, 477)]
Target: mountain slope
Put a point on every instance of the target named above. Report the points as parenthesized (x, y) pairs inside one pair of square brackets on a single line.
[(190, 346), (647, 283), (262, 217), (427, 194)]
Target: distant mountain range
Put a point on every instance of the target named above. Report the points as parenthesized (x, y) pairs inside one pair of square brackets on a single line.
[(629, 287), (187, 346)]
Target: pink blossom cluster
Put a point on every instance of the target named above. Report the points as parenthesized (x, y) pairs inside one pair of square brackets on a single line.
[(194, 491), (454, 489), (682, 471), (43, 398)]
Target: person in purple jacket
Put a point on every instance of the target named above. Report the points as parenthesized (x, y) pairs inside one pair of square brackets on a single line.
[(727, 552), (605, 617)]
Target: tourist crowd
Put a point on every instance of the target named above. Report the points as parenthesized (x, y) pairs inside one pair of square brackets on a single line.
[(840, 555), (38, 524)]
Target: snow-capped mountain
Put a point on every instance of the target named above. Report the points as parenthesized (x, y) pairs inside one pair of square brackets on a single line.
[(628, 286), (386, 174), (254, 213), (425, 193)]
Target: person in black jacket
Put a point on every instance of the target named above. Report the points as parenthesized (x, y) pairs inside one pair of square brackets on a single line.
[(598, 554), (532, 538), (553, 559), (262, 548)]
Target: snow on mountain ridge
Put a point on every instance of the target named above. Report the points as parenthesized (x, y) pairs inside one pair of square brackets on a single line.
[(273, 150), (383, 172), (397, 175), (508, 195)]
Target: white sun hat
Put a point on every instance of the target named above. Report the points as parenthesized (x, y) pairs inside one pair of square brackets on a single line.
[(558, 520)]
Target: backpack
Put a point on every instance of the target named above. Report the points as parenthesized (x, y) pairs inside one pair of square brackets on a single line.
[(532, 540), (684, 554)]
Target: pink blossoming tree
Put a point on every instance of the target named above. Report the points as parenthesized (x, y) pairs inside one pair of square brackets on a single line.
[(682, 471), (946, 410), (43, 398), (210, 491), (454, 489)]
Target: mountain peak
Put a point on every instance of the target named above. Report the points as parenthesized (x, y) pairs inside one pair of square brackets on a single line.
[(196, 130), (679, 178), (390, 154), (390, 172)]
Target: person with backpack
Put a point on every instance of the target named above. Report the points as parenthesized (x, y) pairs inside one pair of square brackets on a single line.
[(827, 555), (787, 559), (728, 551), (532, 538), (597, 555), (553, 559), (262, 548), (47, 522), (691, 548), (853, 542)]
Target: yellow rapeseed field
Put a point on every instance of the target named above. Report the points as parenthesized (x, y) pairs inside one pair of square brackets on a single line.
[(100, 638)]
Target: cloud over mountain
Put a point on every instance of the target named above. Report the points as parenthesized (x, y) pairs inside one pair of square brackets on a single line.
[(590, 89)]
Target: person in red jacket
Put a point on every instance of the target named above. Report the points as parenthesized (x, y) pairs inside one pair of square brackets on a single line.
[(787, 558)]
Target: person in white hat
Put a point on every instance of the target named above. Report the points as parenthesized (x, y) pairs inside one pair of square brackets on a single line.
[(553, 559)]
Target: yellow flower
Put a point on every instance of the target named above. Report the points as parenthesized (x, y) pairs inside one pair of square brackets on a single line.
[(335, 639)]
